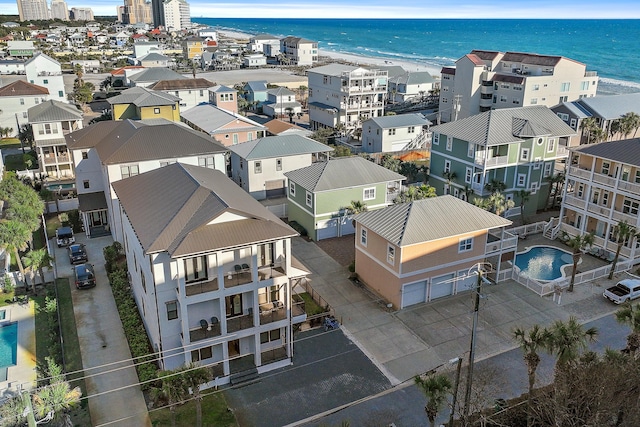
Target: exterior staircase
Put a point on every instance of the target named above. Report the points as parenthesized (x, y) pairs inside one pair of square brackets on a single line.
[(419, 142), (245, 377)]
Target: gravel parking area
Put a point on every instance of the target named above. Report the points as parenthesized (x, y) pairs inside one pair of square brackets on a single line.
[(342, 249)]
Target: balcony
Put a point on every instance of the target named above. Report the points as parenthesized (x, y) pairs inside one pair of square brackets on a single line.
[(486, 102), (629, 186), (562, 151), (497, 161), (574, 201), (272, 312), (487, 89), (49, 73), (237, 277), (363, 89), (604, 179), (199, 334), (274, 355), (50, 160), (496, 244), (621, 216), (392, 195), (238, 323), (268, 272), (598, 210), (579, 173), (201, 288)]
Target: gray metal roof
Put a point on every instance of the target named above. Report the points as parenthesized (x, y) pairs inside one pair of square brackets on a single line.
[(88, 202), (625, 151), (278, 146), (156, 74), (143, 97), (505, 126), (429, 219), (135, 141), (43, 55), (53, 111), (610, 107), (221, 89), (413, 78), (280, 91), (333, 69), (393, 71), (341, 172), (175, 208), (576, 109), (154, 56), (210, 118), (400, 120), (257, 86)]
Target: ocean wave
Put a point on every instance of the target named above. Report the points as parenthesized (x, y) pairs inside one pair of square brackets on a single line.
[(614, 82)]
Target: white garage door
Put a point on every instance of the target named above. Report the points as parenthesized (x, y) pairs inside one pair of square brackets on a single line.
[(346, 226), (327, 229), (441, 286), (414, 293), (466, 282)]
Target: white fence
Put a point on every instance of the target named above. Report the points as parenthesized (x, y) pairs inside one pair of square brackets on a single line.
[(523, 230), (62, 205)]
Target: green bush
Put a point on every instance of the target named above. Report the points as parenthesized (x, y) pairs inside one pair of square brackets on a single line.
[(300, 229), (352, 266)]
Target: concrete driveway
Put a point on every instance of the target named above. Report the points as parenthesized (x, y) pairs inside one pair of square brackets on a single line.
[(105, 352)]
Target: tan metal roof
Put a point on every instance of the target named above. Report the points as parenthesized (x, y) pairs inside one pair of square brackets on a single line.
[(425, 220), (175, 208)]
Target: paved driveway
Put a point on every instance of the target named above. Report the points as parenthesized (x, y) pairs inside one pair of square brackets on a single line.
[(102, 342)]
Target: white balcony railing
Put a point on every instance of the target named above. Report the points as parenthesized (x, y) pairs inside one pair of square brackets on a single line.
[(604, 179), (580, 173), (574, 201), (621, 216), (599, 210), (629, 186)]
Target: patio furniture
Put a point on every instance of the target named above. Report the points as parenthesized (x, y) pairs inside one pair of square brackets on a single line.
[(204, 325), (245, 267), (278, 304), (214, 321), (237, 268)]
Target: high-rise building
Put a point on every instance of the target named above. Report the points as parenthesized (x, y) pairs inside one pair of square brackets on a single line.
[(120, 12), (157, 8), (82, 13), (137, 11), (59, 10), (33, 10), (176, 15)]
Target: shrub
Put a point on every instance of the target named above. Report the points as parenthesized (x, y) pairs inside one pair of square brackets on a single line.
[(352, 266), (300, 229)]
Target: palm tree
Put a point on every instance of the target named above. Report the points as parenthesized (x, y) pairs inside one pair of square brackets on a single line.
[(587, 126), (495, 186), (25, 135), (556, 183), (568, 339), (450, 177), (436, 388), (630, 122), (172, 390), (290, 113), (36, 260), (415, 193), (578, 243), (390, 162), (524, 196), (630, 315), (356, 207), (194, 377), (14, 236), (531, 342), (622, 233), (57, 397), (496, 203)]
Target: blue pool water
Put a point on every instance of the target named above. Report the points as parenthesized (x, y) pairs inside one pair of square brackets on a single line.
[(543, 262), (8, 344), (55, 187)]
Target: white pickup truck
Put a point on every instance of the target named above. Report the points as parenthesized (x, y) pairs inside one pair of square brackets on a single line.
[(623, 291)]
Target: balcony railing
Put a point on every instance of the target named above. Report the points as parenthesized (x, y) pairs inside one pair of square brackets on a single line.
[(629, 186), (267, 272), (574, 201), (274, 355), (497, 161), (200, 334), (495, 243), (580, 173), (621, 216), (297, 306), (201, 288), (272, 312), (50, 73), (391, 196), (598, 210), (238, 323), (237, 278), (604, 179), (56, 159), (562, 151)]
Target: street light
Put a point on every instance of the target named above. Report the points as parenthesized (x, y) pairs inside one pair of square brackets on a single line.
[(479, 268)]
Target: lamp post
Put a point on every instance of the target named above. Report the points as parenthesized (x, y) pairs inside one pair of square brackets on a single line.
[(479, 268)]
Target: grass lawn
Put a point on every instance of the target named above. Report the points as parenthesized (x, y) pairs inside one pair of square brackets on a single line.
[(9, 143), (214, 413), (53, 223), (310, 306), (15, 162), (6, 298)]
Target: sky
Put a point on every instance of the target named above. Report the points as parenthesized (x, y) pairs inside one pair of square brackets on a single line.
[(579, 9)]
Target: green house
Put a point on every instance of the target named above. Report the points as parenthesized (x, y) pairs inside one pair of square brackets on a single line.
[(518, 147), (319, 195)]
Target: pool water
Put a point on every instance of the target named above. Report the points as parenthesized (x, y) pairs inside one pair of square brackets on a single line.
[(543, 262), (55, 187), (8, 344)]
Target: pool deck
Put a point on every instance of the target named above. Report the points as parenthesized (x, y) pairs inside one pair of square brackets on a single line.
[(22, 376)]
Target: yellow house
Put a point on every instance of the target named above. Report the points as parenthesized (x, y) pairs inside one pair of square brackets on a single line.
[(193, 47), (139, 103)]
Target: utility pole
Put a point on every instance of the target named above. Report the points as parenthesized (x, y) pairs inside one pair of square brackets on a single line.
[(456, 106), (455, 388)]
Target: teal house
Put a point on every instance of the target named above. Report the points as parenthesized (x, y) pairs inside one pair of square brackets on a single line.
[(518, 147), (319, 195)]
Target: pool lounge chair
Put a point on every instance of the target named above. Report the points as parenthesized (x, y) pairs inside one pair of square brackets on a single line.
[(204, 325)]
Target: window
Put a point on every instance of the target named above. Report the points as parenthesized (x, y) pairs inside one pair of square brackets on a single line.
[(551, 145), (465, 245), (127, 171), (85, 154), (363, 237), (45, 81), (156, 111), (534, 101), (308, 199), (471, 149), (411, 129), (391, 254), (537, 163), (449, 143), (536, 87), (606, 167), (547, 169), (292, 189), (60, 94), (21, 101), (269, 336), (564, 98), (278, 164), (447, 166), (202, 354), (573, 123), (85, 184), (166, 163), (436, 139), (207, 162), (257, 167), (580, 192), (468, 175), (522, 180), (605, 198), (534, 187), (540, 141), (233, 305), (563, 116), (584, 85), (595, 196), (369, 193), (195, 269), (637, 177), (564, 87), (503, 98), (630, 207), (524, 154), (202, 93), (392, 131), (37, 101), (172, 310)]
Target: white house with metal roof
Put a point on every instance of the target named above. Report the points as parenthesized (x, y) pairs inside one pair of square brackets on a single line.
[(420, 251), (15, 100), (109, 151), (280, 103), (211, 271), (226, 127), (320, 195), (191, 92), (259, 166), (299, 51), (147, 76), (401, 132), (51, 121), (42, 70), (410, 85)]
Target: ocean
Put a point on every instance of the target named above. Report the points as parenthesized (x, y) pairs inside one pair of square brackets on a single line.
[(606, 46)]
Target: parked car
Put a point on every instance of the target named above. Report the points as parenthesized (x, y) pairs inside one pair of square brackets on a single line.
[(64, 236), (625, 290), (77, 253), (85, 277)]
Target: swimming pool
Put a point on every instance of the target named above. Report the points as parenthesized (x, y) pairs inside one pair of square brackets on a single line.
[(543, 262), (8, 344)]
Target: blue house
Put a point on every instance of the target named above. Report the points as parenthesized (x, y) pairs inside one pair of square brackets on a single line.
[(256, 91)]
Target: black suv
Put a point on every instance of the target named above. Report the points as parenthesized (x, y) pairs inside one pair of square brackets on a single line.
[(64, 236), (85, 278), (77, 253)]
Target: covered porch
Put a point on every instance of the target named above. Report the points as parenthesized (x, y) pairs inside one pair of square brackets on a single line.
[(93, 211)]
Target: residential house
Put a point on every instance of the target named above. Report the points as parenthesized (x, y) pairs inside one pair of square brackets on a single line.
[(191, 92), (518, 147), (88, 65), (411, 85), (603, 188), (120, 74), (139, 103), (120, 38), (209, 33), (298, 51), (155, 59), (11, 66), (254, 60), (259, 166), (143, 48), (263, 43), (224, 126), (402, 132), (420, 251), (345, 95), (192, 47), (224, 97), (15, 100), (51, 121), (484, 80), (139, 38), (45, 71), (255, 92), (319, 195), (212, 273), (20, 48), (109, 151), (149, 76), (281, 102), (280, 127)]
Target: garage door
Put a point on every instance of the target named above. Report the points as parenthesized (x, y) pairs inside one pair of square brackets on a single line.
[(414, 293), (346, 226), (441, 286), (327, 229), (274, 188), (466, 282)]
